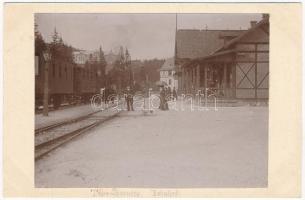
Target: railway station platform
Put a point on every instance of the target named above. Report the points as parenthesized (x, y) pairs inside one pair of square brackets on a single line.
[(57, 116)]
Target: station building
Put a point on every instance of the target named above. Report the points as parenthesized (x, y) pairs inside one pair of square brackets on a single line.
[(230, 64)]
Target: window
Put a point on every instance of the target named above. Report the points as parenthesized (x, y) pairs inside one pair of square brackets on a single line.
[(36, 65), (170, 82), (59, 70), (53, 70), (66, 71)]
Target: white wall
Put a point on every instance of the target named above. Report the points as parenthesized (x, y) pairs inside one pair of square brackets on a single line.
[(164, 76)]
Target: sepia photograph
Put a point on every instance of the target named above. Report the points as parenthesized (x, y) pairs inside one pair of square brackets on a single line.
[(151, 100)]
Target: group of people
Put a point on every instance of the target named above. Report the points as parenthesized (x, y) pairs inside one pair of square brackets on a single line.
[(166, 94)]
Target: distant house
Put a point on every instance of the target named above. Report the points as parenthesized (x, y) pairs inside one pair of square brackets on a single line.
[(167, 73), (230, 66), (80, 57)]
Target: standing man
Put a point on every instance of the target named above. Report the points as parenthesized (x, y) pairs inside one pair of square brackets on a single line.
[(129, 99), (175, 97)]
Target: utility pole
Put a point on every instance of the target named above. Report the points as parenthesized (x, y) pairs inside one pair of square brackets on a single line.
[(47, 58)]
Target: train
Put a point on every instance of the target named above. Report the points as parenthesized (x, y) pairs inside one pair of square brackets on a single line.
[(69, 82)]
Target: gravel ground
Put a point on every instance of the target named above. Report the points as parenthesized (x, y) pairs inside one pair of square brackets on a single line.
[(223, 148)]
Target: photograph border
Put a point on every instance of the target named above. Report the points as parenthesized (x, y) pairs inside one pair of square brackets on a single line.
[(284, 163)]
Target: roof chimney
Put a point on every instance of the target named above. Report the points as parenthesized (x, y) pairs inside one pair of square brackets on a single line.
[(265, 16), (253, 23)]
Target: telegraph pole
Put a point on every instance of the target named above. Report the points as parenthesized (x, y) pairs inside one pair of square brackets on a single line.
[(47, 58)]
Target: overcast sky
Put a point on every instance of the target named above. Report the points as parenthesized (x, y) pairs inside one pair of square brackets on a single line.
[(145, 35)]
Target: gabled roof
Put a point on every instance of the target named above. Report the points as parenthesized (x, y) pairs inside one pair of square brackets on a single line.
[(225, 49), (264, 21), (194, 43)]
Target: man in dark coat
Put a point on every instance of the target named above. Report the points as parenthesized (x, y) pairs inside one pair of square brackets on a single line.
[(129, 99), (175, 97)]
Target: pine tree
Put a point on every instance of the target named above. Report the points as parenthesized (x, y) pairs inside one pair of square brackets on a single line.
[(102, 59), (60, 51), (129, 74), (102, 67), (55, 37), (40, 44)]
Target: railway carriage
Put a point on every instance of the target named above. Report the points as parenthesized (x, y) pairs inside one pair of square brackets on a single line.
[(68, 82), (60, 81), (85, 79)]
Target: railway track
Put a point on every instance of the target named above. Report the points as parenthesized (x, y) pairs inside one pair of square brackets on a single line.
[(50, 137), (46, 128), (51, 108)]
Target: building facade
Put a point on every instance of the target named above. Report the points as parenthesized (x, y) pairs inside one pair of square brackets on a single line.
[(168, 74), (238, 69)]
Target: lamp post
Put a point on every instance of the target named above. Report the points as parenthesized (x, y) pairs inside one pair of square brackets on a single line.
[(47, 58), (130, 72), (99, 73)]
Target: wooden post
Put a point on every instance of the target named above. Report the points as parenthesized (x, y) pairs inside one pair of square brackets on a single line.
[(255, 83), (234, 78), (186, 81), (194, 75), (224, 81), (193, 79), (206, 83), (182, 80), (198, 77), (46, 90)]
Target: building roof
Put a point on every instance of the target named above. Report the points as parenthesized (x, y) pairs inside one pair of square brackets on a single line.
[(194, 43), (264, 21), (225, 48), (169, 64)]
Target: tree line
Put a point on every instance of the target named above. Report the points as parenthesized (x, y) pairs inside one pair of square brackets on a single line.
[(125, 72)]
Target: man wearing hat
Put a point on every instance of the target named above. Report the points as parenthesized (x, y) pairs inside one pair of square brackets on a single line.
[(129, 98)]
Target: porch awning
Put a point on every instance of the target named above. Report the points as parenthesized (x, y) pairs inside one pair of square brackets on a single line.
[(206, 58)]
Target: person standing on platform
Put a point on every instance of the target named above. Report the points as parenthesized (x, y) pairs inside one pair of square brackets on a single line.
[(175, 96), (129, 99), (169, 93), (162, 98)]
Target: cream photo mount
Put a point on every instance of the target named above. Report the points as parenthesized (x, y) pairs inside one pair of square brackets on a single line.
[(284, 163)]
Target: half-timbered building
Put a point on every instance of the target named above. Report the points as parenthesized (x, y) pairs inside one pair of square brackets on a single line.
[(238, 69)]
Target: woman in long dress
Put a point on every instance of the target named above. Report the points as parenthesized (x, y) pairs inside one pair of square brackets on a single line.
[(162, 98)]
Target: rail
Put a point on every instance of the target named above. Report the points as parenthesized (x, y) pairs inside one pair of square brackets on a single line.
[(51, 137)]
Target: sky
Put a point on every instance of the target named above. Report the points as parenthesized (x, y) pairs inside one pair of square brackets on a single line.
[(146, 36)]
